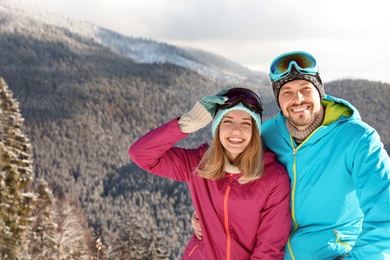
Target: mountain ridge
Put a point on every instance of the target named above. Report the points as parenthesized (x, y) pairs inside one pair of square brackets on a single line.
[(138, 49)]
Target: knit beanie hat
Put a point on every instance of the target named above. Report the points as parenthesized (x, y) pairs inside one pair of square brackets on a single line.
[(222, 112), (294, 75)]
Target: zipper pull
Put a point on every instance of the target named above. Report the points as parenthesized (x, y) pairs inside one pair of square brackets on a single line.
[(294, 151)]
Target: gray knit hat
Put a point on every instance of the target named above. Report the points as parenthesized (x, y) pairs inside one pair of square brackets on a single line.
[(294, 75)]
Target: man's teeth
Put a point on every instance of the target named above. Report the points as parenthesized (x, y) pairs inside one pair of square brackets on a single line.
[(299, 109)]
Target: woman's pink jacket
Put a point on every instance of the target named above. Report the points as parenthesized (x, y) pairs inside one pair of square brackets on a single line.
[(238, 221)]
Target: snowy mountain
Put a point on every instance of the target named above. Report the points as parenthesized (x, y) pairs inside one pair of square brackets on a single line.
[(86, 93), (140, 50)]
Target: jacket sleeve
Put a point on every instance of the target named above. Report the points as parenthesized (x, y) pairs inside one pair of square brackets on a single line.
[(371, 173), (155, 153), (275, 223)]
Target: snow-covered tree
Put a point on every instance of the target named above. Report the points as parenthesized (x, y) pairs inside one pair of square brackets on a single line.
[(72, 233), (16, 172)]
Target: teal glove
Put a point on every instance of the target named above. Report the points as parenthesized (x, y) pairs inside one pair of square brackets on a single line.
[(210, 102)]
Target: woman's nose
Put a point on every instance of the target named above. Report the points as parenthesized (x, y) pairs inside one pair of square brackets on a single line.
[(236, 127)]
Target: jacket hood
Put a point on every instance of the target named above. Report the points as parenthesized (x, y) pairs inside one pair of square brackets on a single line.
[(337, 109)]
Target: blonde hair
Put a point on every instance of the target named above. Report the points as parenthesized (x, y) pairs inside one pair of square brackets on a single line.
[(249, 162)]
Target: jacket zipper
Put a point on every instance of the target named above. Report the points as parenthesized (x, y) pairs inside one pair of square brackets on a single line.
[(195, 247), (226, 217), (295, 149), (294, 152)]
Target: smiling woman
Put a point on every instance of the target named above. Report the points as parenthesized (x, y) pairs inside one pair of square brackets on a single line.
[(235, 133), (239, 191)]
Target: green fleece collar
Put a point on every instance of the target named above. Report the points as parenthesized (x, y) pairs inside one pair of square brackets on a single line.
[(333, 111)]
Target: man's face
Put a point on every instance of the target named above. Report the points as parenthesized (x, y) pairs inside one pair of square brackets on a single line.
[(300, 103)]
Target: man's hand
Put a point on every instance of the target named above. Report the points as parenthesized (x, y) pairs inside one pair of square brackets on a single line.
[(196, 225)]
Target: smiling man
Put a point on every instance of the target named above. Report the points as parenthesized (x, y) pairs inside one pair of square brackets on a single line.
[(339, 170)]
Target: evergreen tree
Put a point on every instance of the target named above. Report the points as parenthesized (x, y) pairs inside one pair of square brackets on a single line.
[(16, 173)]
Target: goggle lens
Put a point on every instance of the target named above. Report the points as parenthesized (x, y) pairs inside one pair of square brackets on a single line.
[(249, 99), (303, 62)]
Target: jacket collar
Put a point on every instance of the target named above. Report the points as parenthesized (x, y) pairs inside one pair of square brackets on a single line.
[(336, 111)]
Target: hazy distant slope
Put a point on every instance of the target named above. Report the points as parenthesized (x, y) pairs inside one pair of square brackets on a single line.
[(138, 49)]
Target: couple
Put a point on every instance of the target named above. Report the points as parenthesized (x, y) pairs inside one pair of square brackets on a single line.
[(339, 186)]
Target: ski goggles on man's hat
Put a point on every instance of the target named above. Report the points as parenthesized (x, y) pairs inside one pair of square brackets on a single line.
[(303, 62), (247, 97)]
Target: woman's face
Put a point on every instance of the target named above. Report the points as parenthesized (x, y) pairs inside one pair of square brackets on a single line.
[(235, 132)]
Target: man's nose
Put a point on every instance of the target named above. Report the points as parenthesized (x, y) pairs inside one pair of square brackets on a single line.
[(298, 96)]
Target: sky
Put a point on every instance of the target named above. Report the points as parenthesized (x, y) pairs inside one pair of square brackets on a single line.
[(349, 38)]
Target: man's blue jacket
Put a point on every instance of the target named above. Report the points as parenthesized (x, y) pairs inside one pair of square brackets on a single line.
[(340, 186)]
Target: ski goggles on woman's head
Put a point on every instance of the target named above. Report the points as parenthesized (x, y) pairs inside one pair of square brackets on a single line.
[(303, 62), (247, 97)]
